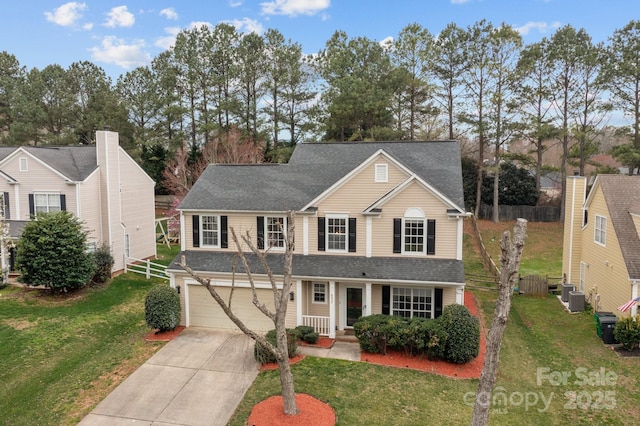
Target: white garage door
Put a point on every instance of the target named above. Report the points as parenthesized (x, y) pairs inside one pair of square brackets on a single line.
[(205, 312)]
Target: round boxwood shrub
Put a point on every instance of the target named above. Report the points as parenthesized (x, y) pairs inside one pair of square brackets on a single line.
[(306, 333), (463, 334), (264, 356), (627, 332), (162, 308), (103, 263)]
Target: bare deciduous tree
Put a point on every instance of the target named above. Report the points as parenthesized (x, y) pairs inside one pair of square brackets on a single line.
[(280, 300)]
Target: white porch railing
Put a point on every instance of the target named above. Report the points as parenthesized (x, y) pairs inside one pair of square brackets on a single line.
[(145, 267), (320, 324)]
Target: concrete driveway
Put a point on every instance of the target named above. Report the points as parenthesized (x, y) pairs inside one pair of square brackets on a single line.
[(198, 378)]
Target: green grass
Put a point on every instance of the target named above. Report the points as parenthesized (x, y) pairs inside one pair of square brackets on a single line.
[(59, 355)]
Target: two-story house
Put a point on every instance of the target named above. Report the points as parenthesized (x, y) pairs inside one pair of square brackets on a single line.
[(601, 247), (100, 184), (378, 229)]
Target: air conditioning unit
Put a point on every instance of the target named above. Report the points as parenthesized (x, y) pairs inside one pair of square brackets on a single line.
[(566, 288), (576, 301)]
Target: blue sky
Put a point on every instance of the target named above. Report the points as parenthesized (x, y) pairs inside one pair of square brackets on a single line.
[(121, 35)]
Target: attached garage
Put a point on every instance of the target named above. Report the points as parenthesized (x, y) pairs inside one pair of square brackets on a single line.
[(203, 310)]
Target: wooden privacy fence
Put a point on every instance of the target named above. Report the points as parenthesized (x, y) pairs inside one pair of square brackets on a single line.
[(537, 285), (530, 213)]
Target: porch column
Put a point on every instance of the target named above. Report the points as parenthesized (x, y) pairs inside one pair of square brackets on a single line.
[(634, 294), (460, 238), (332, 309), (298, 302), (368, 237), (367, 300), (305, 235), (460, 295)]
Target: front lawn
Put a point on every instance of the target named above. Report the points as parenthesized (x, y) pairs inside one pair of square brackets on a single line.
[(61, 355)]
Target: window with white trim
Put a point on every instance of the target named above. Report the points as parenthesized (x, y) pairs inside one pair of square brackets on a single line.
[(23, 164), (412, 302), (210, 231), (319, 293), (381, 172), (601, 230), (45, 202), (413, 231), (274, 232), (337, 230)]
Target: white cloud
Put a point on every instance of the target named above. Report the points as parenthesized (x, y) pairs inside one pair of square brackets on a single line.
[(459, 1), (198, 24), (67, 14), (169, 13), (387, 42), (233, 3), (115, 51), (169, 40), (87, 26), (247, 25), (541, 27), (120, 17), (294, 7)]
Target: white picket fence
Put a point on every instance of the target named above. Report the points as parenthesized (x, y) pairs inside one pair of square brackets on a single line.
[(145, 267)]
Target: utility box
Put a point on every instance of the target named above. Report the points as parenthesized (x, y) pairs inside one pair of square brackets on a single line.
[(566, 288), (576, 301), (608, 324)]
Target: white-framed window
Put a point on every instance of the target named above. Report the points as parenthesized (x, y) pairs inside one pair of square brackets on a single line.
[(381, 172), (412, 302), (127, 247), (274, 227), (413, 232), (319, 293), (337, 232), (23, 164), (601, 230), (210, 231), (45, 202)]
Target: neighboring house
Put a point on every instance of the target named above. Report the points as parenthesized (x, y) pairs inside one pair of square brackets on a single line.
[(378, 229), (100, 184), (601, 250)]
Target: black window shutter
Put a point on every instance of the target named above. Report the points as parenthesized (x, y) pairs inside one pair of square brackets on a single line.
[(397, 235), (431, 236), (224, 234), (63, 202), (386, 300), (438, 303), (260, 232), (7, 210), (32, 205), (195, 220), (321, 234), (352, 234)]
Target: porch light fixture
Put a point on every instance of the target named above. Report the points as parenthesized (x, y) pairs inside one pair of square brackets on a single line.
[(292, 296), (178, 289)]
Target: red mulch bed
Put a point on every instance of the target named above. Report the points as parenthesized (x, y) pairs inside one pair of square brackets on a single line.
[(312, 412), (274, 365), (470, 370), (323, 342), (165, 336)]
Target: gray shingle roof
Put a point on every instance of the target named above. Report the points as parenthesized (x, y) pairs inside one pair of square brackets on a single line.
[(313, 168), (622, 195), (371, 269), (75, 162)]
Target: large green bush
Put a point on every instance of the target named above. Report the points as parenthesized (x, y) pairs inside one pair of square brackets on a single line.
[(306, 333), (374, 331), (103, 264), (264, 356), (463, 334), (162, 308), (627, 332), (52, 252)]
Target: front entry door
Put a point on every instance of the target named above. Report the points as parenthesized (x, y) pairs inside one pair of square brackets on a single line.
[(354, 305)]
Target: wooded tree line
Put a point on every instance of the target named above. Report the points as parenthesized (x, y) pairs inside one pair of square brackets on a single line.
[(479, 83)]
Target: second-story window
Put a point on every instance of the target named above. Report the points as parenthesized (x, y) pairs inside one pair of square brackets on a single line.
[(46, 202), (337, 233), (274, 227), (210, 231)]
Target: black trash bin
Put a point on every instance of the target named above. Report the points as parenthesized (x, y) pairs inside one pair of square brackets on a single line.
[(608, 324), (598, 316)]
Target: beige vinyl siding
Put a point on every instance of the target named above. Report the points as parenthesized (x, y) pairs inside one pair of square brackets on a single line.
[(90, 209), (138, 208), (320, 309), (415, 195), (448, 296), (572, 248), (605, 271), (376, 299)]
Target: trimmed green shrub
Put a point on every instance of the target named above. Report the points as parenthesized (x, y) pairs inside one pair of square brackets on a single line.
[(162, 308), (103, 263), (627, 332), (264, 356), (428, 337), (374, 332), (463, 334), (302, 330)]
